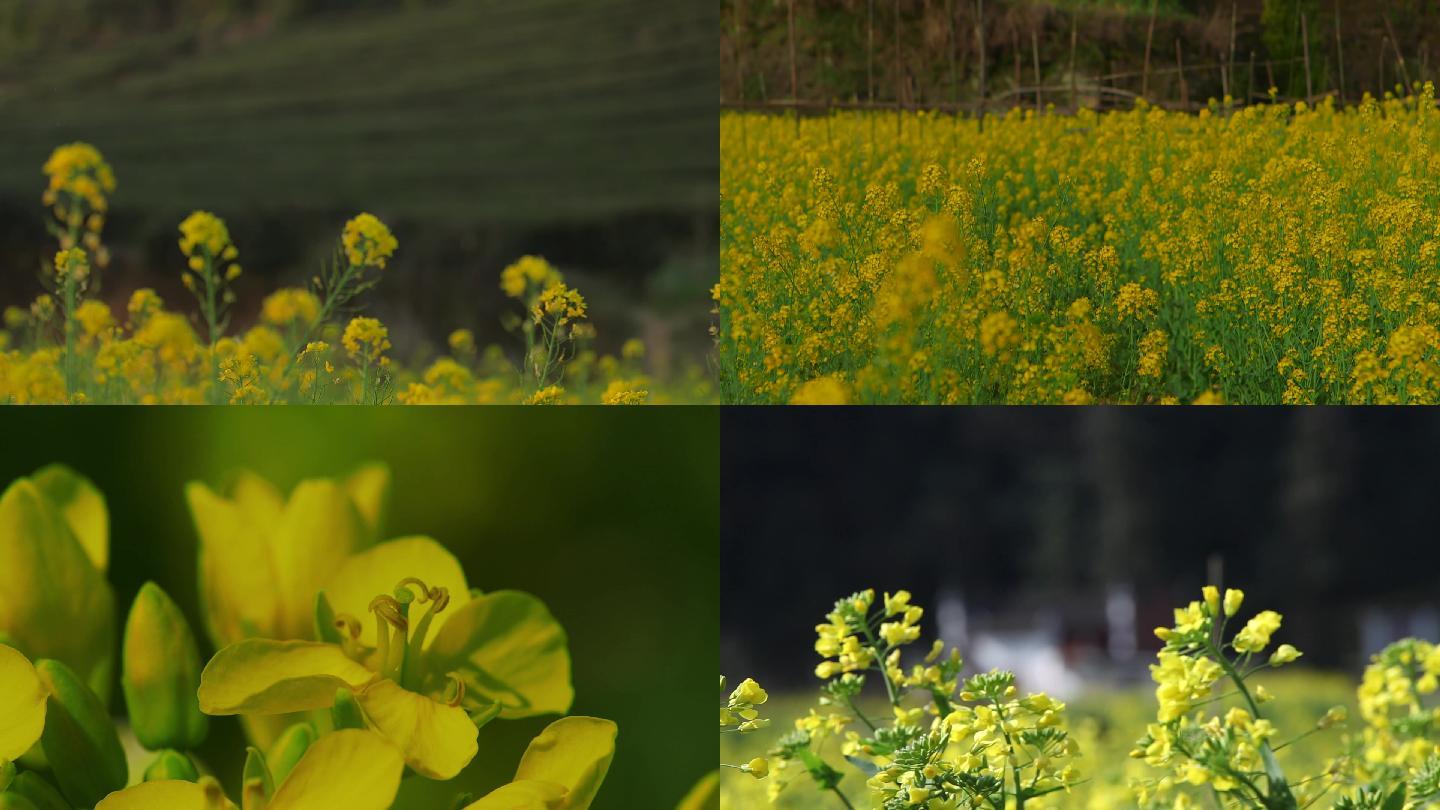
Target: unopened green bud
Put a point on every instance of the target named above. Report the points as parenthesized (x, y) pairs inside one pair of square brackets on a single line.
[(40, 793), (257, 771), (346, 711), (79, 740), (171, 764), (1334, 716), (161, 674), (285, 754)]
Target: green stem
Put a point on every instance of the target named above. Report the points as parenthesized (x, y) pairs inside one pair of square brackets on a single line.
[(69, 296), (843, 800), (879, 661)]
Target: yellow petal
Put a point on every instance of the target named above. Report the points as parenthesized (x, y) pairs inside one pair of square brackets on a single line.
[(56, 603), (574, 752), (170, 794), (378, 570), (258, 499), (509, 649), (22, 704), (704, 796), (82, 506), (273, 677), (523, 796), (438, 740), (353, 769), (319, 530), (368, 487), (238, 584)]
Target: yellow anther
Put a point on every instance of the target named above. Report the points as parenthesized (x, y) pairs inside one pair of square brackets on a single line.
[(388, 608), (348, 624), (440, 596)]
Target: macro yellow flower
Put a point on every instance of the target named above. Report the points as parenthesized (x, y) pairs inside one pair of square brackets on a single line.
[(705, 795), (350, 768), (422, 681), (368, 242), (562, 769), (263, 556), (54, 600), (22, 704)]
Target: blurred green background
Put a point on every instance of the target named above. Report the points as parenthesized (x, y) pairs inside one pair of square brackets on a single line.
[(480, 130), (610, 515)]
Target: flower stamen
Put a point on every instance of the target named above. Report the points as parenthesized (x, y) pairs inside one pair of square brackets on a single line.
[(389, 608), (459, 695)]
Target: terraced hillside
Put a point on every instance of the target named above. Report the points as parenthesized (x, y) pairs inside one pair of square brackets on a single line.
[(535, 111)]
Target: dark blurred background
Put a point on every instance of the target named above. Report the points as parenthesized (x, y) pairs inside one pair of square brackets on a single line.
[(611, 516), (929, 53), (1053, 541), (480, 130)]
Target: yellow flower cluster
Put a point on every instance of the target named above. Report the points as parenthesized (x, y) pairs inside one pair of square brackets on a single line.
[(79, 171), (72, 265), (368, 242), (65, 347), (1270, 254), (560, 303), (1219, 742), (290, 305), (1397, 703), (982, 745), (366, 339), (204, 236)]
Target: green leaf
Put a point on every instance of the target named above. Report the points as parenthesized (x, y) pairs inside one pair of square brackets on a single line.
[(1280, 796), (325, 629), (1396, 800), (79, 740)]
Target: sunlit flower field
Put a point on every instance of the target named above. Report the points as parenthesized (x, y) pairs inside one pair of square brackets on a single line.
[(311, 344), (1228, 723), (1271, 254)]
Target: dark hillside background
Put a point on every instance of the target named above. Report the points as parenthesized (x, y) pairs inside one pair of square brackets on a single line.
[(480, 130)]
